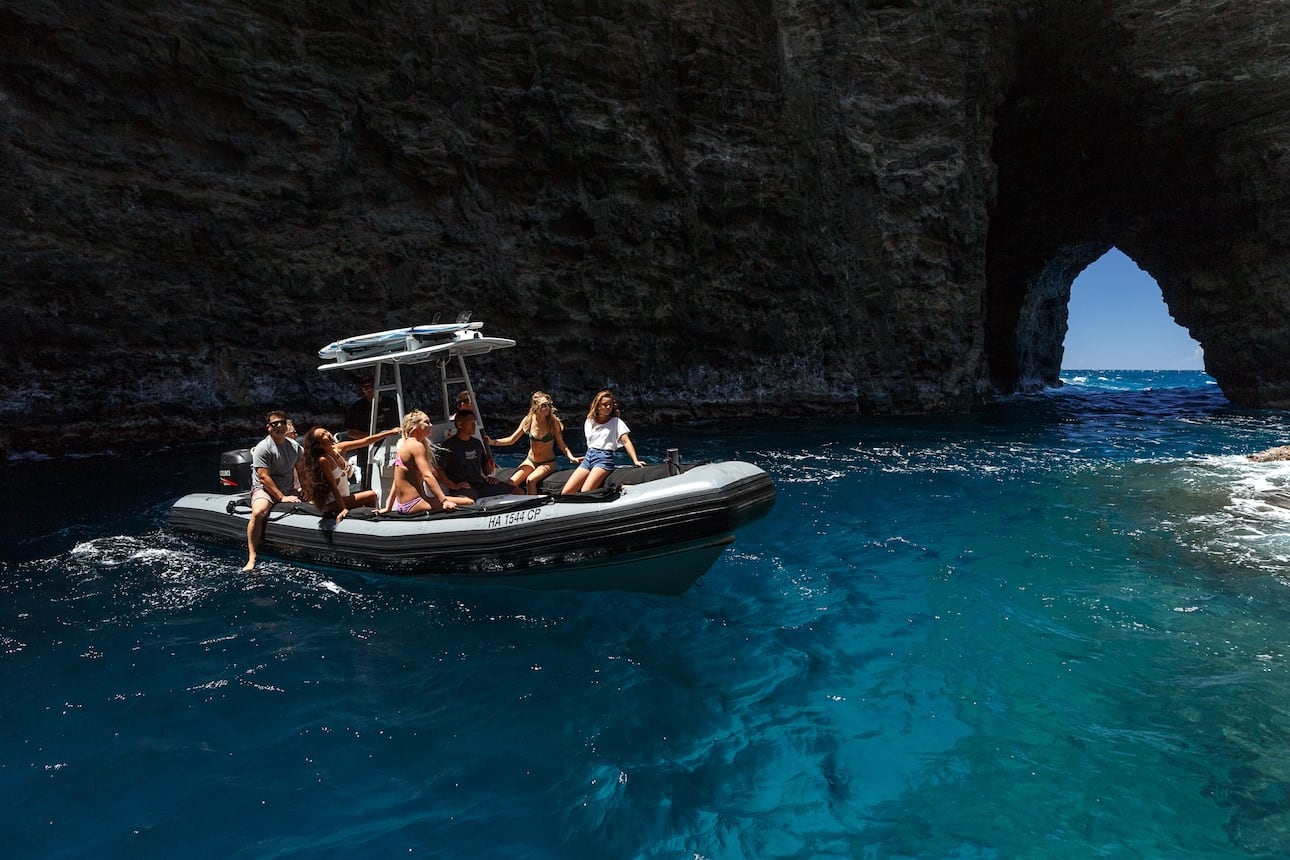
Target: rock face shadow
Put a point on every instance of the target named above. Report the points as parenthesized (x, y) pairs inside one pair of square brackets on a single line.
[(719, 209)]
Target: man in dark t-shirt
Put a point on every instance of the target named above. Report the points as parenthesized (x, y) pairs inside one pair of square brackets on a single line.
[(359, 413), (463, 462)]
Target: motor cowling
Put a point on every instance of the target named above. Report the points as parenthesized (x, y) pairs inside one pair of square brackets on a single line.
[(235, 471)]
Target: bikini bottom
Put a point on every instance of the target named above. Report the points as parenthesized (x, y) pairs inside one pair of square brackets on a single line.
[(406, 507), (528, 461)]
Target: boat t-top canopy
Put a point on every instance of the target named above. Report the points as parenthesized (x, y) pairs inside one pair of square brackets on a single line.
[(412, 345), (446, 344)]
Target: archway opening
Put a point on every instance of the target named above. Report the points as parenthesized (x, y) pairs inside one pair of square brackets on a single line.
[(1118, 320)]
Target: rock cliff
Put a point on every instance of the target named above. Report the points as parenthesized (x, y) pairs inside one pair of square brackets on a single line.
[(715, 207)]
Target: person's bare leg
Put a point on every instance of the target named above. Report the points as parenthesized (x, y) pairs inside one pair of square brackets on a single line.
[(574, 484), (255, 529), (595, 479), (362, 499), (520, 475), (534, 481)]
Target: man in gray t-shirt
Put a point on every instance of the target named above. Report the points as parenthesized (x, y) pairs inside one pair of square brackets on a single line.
[(275, 462)]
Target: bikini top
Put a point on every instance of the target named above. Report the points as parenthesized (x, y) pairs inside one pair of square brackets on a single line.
[(549, 437), (339, 472)]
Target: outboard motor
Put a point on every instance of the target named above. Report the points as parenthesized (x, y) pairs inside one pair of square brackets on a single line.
[(235, 471)]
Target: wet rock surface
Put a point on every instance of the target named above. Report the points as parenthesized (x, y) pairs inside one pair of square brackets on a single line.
[(717, 209)]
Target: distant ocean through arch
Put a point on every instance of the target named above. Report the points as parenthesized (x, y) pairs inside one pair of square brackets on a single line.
[(1054, 627)]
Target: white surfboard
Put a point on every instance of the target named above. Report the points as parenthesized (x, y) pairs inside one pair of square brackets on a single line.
[(392, 339), (465, 344)]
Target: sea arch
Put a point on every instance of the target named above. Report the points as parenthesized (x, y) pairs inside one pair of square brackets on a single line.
[(1096, 146), (1117, 320)]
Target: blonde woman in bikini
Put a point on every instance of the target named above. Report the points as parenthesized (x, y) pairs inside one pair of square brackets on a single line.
[(415, 487), (545, 431)]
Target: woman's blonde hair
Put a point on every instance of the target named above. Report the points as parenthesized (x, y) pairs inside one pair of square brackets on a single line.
[(553, 420), (410, 420)]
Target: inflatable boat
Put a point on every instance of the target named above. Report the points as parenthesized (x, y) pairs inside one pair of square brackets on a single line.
[(654, 529)]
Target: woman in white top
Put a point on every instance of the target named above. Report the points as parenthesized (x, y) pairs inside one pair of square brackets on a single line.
[(606, 432)]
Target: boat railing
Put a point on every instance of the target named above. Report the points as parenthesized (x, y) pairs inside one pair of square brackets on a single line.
[(380, 466)]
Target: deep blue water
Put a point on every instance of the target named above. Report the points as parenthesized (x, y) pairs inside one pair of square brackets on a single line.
[(1053, 628)]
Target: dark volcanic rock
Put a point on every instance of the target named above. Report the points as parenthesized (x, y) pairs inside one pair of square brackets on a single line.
[(1160, 128), (717, 208)]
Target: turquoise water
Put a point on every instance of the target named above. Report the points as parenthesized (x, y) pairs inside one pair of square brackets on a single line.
[(1053, 628)]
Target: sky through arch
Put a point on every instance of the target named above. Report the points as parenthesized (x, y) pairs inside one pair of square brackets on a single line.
[(1118, 321)]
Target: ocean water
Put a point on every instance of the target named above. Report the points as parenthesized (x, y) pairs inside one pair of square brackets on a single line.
[(1056, 627)]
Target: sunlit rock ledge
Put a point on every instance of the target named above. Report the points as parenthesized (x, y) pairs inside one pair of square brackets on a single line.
[(1281, 452)]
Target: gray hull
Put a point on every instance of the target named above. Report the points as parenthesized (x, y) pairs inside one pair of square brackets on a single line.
[(657, 536)]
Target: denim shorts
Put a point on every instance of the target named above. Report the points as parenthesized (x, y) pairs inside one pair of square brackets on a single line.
[(599, 458)]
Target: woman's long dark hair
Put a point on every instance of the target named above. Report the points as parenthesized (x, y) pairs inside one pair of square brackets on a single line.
[(315, 486)]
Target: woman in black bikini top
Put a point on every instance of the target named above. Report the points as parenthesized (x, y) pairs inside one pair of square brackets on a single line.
[(545, 431)]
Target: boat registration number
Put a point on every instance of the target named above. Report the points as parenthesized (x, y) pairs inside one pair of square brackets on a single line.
[(511, 518)]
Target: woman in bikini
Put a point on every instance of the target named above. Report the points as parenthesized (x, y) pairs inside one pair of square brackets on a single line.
[(326, 484), (415, 487), (545, 431)]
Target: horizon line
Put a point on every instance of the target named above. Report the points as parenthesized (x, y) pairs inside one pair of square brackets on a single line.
[(1133, 370)]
